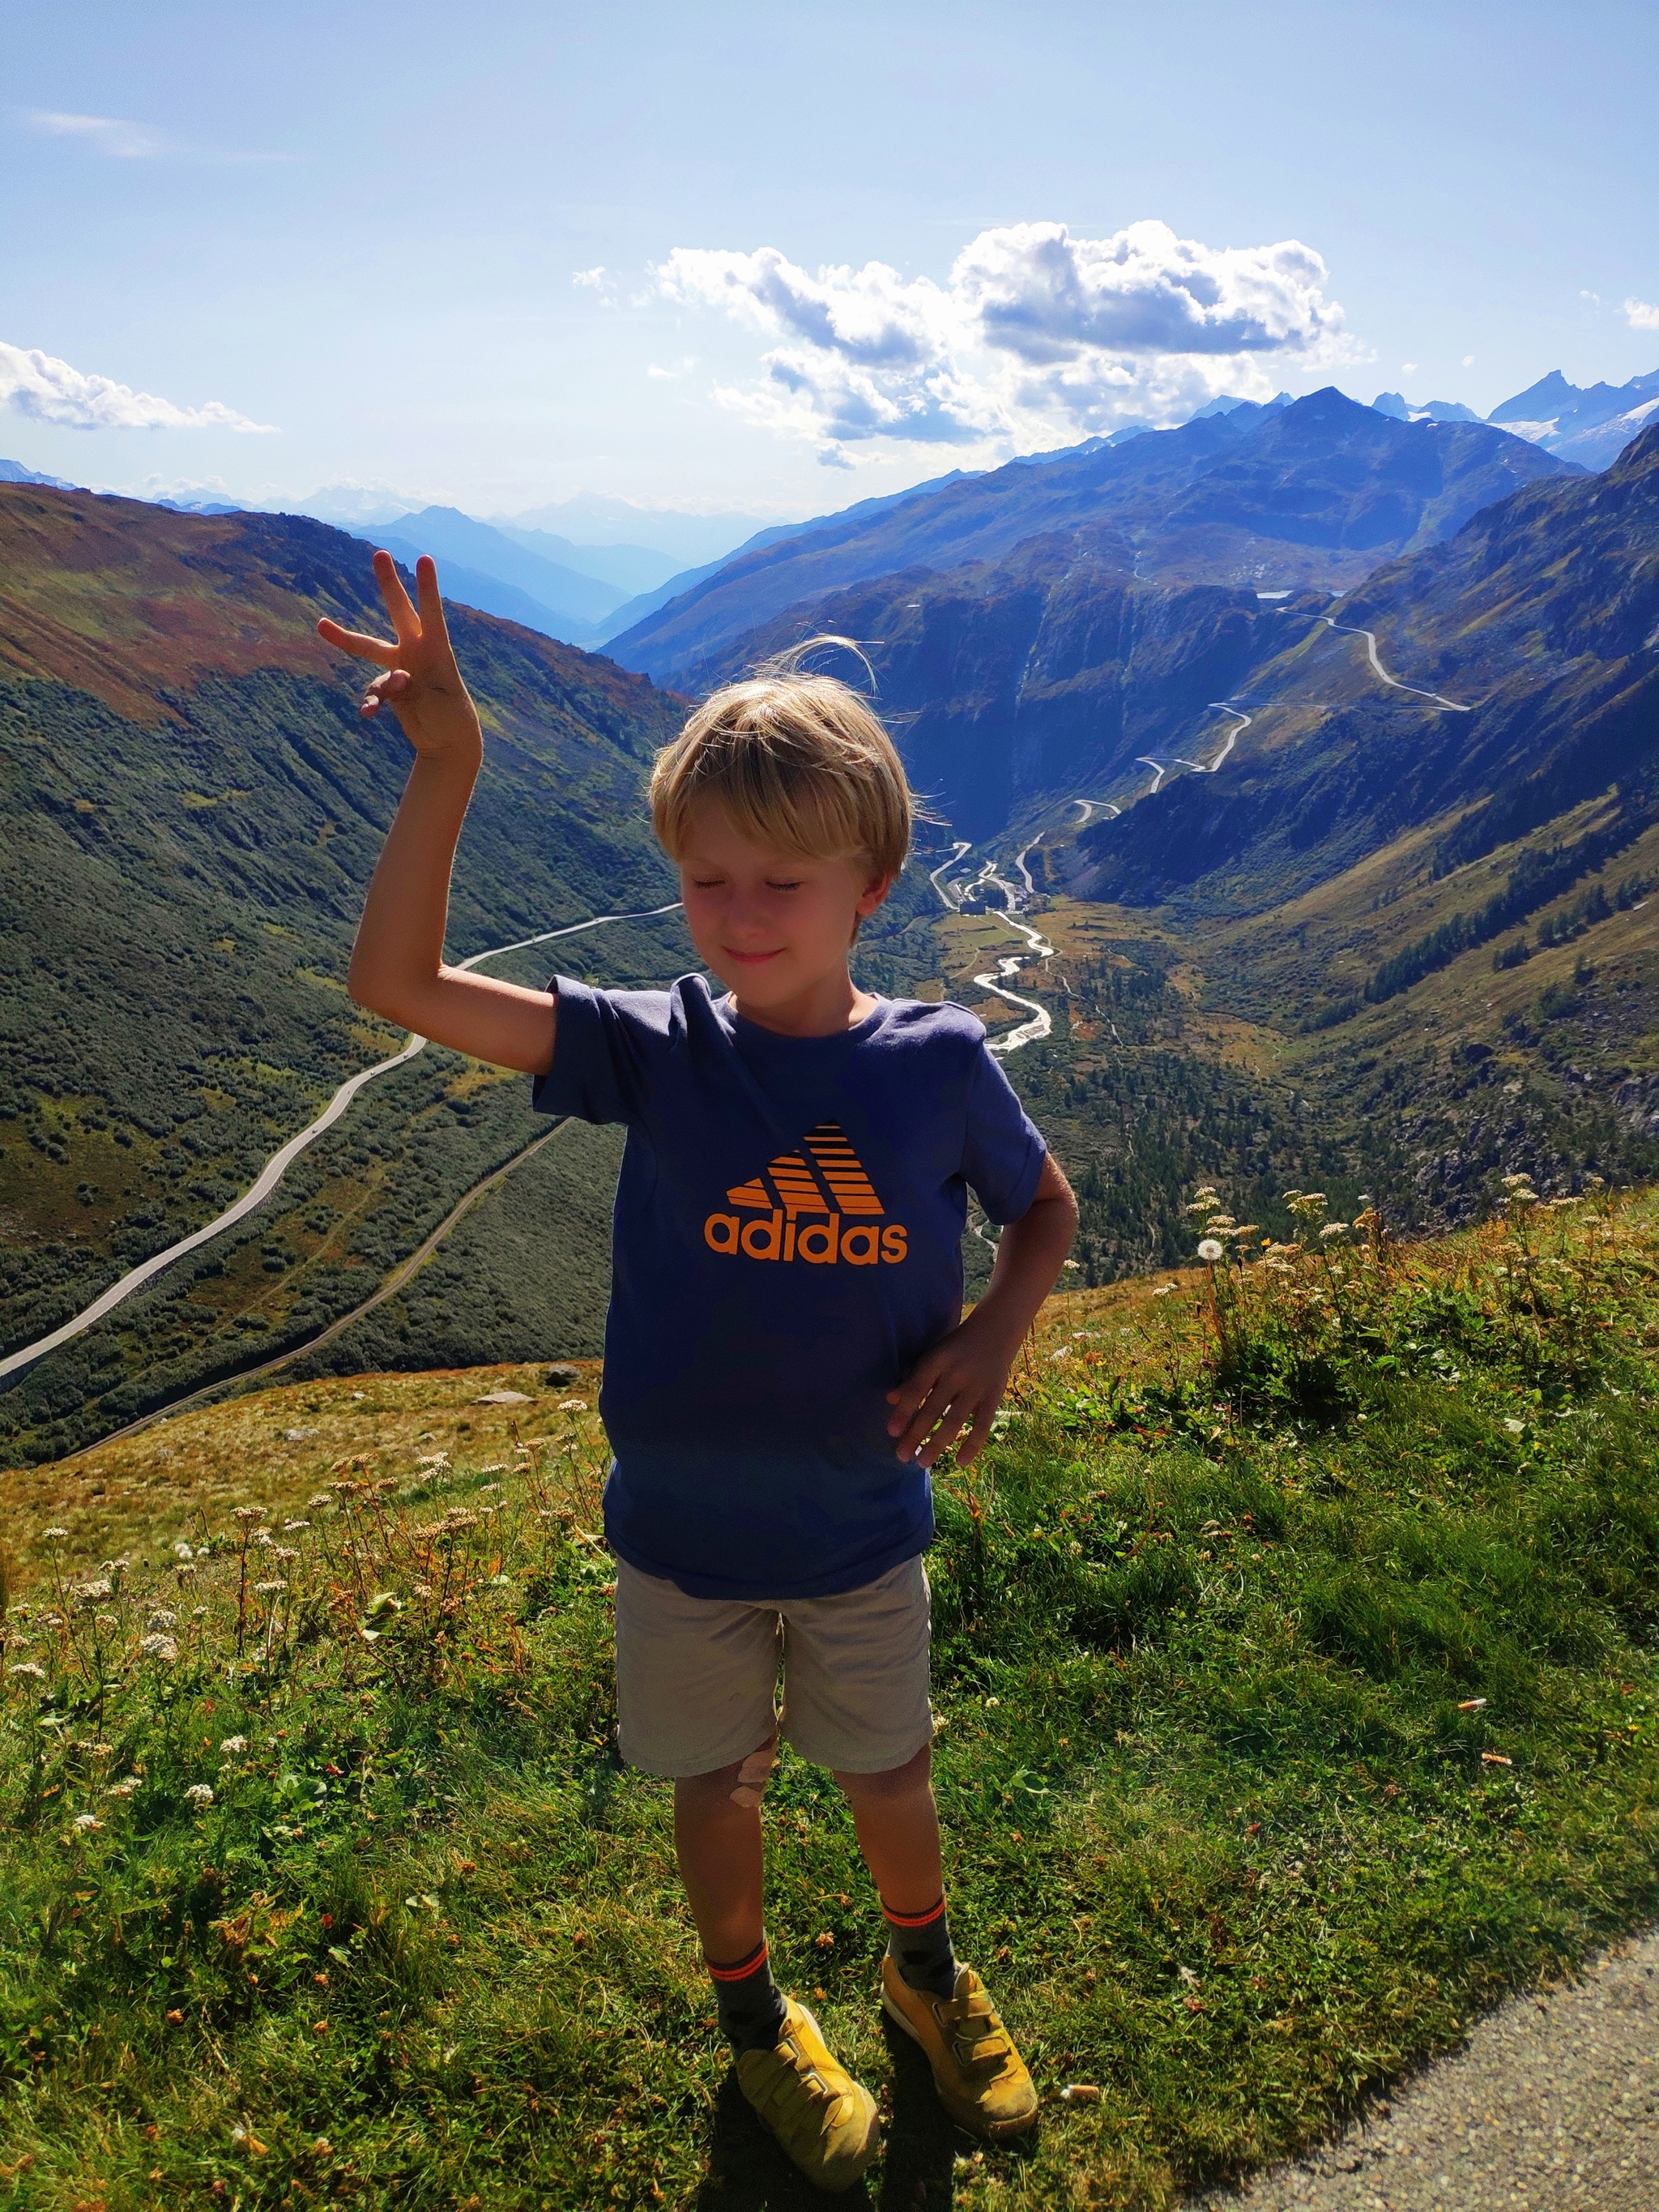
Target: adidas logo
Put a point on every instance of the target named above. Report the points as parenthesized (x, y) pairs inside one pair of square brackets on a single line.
[(816, 1205)]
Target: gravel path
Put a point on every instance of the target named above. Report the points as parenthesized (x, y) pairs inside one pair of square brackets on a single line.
[(1553, 2103)]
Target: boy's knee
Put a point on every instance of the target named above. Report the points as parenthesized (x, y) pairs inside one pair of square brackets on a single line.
[(913, 1779), (742, 1784)]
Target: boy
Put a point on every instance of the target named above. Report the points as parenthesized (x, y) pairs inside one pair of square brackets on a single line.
[(785, 1354)]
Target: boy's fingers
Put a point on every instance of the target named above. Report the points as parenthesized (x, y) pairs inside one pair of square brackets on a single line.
[(386, 691), (955, 1421), (432, 605), (354, 643), (977, 1438), (938, 1406), (398, 605)]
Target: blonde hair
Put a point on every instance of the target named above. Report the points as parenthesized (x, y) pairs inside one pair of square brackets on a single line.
[(799, 761)]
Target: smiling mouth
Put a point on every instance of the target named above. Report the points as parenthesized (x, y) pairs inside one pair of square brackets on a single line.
[(750, 959)]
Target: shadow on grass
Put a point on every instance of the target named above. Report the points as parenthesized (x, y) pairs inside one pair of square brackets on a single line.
[(747, 2171)]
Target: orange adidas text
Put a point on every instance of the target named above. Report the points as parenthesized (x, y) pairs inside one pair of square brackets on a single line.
[(820, 1240)]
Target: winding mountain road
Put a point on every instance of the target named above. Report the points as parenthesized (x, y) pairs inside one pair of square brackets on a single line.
[(1450, 705), (280, 1161), (957, 851)]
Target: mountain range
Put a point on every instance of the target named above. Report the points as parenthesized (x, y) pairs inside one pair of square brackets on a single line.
[(1317, 493), (1304, 757)]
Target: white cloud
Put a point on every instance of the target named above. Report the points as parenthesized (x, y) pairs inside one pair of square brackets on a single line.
[(1469, 360), (48, 390), (1408, 368), (655, 368), (1036, 335), (1644, 316), (593, 278), (104, 134)]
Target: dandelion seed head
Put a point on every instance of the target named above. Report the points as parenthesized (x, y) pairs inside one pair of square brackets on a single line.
[(182, 1551), (1209, 1251)]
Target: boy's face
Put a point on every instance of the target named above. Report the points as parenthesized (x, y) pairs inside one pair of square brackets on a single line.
[(772, 926)]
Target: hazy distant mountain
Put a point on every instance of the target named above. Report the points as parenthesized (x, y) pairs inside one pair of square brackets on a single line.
[(15, 472), (1320, 493), (631, 568), (861, 511), (592, 518), (571, 603)]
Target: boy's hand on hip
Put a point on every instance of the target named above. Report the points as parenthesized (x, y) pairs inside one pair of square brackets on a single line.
[(958, 1386), (422, 684)]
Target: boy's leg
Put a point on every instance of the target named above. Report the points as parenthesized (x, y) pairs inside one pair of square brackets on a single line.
[(855, 1672), (717, 1838), (898, 1825)]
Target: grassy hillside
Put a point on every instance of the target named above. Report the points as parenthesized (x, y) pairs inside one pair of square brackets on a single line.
[(1297, 1693), (192, 808)]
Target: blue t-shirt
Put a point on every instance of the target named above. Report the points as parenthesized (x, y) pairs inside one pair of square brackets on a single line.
[(788, 1245)]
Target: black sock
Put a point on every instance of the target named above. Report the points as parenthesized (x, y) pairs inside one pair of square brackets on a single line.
[(919, 1945), (750, 2004)]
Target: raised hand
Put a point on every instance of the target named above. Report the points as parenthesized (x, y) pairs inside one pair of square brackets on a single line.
[(422, 684)]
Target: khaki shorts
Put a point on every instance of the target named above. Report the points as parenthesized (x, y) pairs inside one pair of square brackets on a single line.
[(697, 1678)]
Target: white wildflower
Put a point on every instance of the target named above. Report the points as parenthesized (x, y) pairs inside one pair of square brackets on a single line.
[(321, 1498), (182, 1551), (1516, 1181), (158, 1647), (1164, 1291), (1209, 1251), (89, 1593), (286, 1551), (86, 1822), (573, 1405), (28, 1667), (161, 1619), (268, 1590), (123, 1789), (1334, 1229), (249, 1513), (288, 1526), (56, 1536), (234, 1744), (433, 1459), (200, 1795)]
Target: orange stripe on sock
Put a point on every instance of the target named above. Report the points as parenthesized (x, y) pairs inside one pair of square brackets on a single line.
[(914, 1919), (743, 1967)]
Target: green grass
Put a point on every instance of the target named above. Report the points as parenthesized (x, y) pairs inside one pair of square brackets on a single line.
[(1226, 1828)]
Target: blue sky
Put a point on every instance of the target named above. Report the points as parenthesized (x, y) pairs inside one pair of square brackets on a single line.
[(364, 226)]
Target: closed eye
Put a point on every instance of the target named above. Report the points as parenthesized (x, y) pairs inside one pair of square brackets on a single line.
[(783, 887)]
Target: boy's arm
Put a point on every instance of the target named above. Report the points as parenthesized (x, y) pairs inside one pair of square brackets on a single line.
[(396, 964), (960, 1382)]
